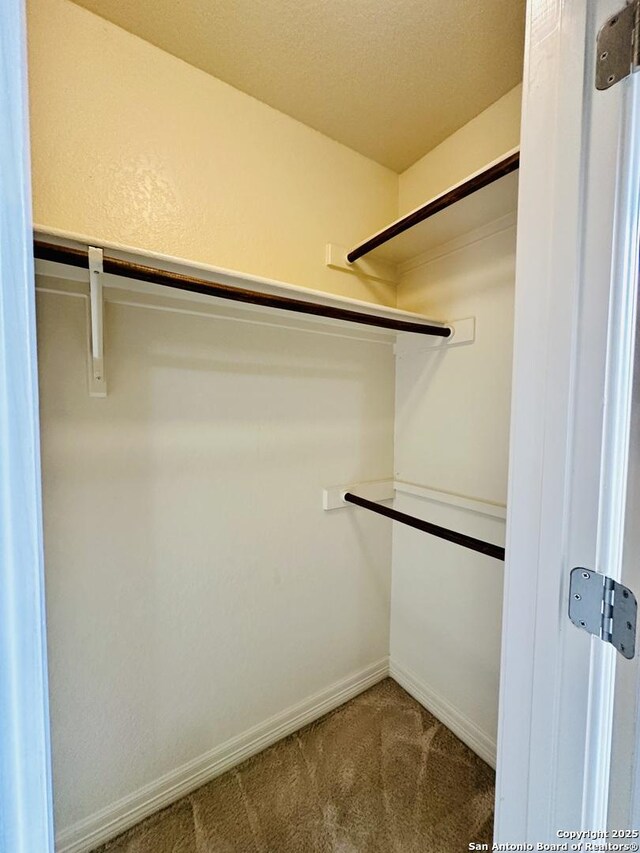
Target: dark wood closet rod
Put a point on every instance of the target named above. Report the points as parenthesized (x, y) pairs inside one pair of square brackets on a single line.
[(115, 266), (435, 530), (477, 182)]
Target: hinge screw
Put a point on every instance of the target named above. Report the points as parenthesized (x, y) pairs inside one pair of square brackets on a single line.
[(585, 575), (577, 596), (625, 593), (604, 55)]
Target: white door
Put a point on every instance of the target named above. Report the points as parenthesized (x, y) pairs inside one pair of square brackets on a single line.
[(25, 789), (574, 340)]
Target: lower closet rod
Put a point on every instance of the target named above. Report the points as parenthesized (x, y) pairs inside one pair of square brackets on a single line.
[(442, 532), (115, 266)]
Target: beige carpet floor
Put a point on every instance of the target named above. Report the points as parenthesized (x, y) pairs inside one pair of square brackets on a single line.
[(378, 775)]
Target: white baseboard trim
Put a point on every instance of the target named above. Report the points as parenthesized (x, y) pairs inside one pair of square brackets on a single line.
[(87, 834), (453, 719), (100, 827)]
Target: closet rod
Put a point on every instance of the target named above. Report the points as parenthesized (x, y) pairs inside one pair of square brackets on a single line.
[(442, 532), (477, 182), (115, 266)]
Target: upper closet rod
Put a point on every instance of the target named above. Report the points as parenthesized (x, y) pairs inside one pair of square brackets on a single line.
[(128, 269), (476, 182), (442, 532)]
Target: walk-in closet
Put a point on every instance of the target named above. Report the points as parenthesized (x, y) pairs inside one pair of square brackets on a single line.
[(275, 338)]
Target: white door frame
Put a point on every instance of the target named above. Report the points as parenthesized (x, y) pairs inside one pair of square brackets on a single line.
[(624, 800), (26, 821), (573, 350)]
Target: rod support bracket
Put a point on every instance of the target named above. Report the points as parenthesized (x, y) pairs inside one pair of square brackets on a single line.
[(97, 378), (375, 490)]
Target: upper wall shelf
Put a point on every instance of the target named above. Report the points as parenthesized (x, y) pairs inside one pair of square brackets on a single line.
[(485, 196), (59, 254)]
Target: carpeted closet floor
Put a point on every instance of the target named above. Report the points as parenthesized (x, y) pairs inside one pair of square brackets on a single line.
[(378, 775)]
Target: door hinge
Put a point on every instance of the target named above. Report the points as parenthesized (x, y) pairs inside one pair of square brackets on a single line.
[(617, 51), (603, 607)]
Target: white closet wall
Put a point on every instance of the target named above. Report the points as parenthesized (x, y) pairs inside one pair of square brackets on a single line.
[(452, 430), (451, 436), (195, 587), (200, 602)]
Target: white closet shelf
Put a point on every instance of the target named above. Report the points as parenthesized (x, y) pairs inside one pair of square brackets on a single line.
[(62, 254), (485, 196)]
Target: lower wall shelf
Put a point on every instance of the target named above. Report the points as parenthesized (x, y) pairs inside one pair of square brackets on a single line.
[(385, 490)]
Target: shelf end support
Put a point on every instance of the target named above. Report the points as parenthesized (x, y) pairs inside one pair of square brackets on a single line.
[(97, 379)]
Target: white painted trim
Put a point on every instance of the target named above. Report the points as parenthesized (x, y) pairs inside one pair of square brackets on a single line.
[(554, 737), (26, 811), (109, 822), (530, 804), (476, 235), (476, 505), (615, 453), (624, 790), (373, 268), (477, 740)]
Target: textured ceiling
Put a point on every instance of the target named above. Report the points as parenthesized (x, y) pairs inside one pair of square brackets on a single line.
[(389, 78)]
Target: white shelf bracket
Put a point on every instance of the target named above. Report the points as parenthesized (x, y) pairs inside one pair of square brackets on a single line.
[(376, 490), (463, 334), (97, 380), (374, 268)]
